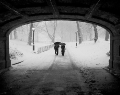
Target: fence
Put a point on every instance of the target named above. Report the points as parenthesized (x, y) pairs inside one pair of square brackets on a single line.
[(44, 48)]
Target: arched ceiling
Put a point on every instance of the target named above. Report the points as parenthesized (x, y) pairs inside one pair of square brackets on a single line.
[(107, 10)]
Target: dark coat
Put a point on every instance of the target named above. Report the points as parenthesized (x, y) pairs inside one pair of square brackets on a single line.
[(56, 46)]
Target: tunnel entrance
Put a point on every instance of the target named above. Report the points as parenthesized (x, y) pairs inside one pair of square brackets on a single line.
[(38, 70), (88, 44)]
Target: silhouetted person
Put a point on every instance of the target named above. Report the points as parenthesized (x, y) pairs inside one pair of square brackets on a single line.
[(63, 48), (56, 47)]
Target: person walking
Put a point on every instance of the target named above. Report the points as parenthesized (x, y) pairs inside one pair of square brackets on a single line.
[(56, 48), (63, 48)]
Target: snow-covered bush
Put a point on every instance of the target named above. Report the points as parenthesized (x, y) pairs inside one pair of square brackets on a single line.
[(14, 53), (108, 53)]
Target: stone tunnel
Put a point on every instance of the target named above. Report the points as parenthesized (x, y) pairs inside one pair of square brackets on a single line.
[(14, 13)]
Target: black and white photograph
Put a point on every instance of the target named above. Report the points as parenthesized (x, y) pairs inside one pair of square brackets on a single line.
[(59, 47)]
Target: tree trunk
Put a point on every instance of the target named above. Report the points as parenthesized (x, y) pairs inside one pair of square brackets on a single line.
[(96, 32), (15, 34), (90, 33), (55, 26), (90, 36), (30, 34), (50, 36), (79, 32), (106, 35)]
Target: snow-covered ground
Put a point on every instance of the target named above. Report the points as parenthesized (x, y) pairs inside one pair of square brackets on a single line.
[(46, 67), (87, 54), (90, 54), (27, 50)]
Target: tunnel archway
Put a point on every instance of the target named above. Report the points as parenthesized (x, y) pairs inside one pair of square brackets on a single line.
[(71, 25), (13, 25), (93, 12), (104, 13), (65, 20)]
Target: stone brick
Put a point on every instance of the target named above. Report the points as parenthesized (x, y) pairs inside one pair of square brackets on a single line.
[(116, 66), (2, 50), (2, 64)]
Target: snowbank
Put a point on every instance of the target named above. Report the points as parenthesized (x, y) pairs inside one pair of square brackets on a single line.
[(90, 54)]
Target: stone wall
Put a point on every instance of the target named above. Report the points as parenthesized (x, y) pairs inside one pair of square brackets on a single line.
[(2, 54), (6, 29), (116, 54)]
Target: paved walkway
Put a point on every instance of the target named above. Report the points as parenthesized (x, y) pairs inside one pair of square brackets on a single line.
[(61, 78)]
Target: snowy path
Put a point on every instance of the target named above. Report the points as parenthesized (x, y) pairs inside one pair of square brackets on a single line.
[(52, 75), (48, 74), (90, 54)]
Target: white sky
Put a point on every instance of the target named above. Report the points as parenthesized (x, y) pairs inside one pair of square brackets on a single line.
[(65, 31)]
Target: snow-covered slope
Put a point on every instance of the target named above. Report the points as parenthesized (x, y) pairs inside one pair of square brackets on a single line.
[(90, 54)]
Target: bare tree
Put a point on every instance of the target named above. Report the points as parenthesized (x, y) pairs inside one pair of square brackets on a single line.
[(15, 34), (36, 32), (55, 27), (106, 35), (90, 32), (96, 32), (30, 34), (52, 37), (22, 32), (79, 32)]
